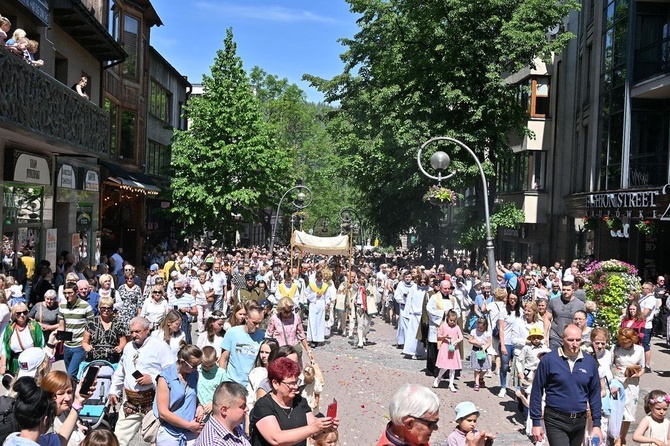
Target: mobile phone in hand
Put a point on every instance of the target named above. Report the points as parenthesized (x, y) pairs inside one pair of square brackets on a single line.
[(91, 374), (137, 374), (63, 335), (332, 409)]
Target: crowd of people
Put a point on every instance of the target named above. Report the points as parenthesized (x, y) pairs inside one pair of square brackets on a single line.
[(218, 348)]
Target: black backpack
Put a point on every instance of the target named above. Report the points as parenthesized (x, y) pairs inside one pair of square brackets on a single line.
[(8, 423)]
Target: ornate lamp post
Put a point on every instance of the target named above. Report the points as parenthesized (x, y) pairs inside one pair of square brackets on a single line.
[(350, 222), (440, 162), (301, 201)]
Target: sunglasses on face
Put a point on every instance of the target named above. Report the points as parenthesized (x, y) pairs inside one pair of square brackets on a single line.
[(105, 308), (21, 313)]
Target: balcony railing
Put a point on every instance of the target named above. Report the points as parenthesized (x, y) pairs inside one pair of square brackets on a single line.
[(32, 101), (652, 60)]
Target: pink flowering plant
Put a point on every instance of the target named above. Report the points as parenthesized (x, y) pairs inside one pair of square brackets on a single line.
[(439, 195), (609, 283), (647, 227), (613, 223)]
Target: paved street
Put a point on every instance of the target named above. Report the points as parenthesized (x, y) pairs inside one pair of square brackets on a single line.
[(363, 381)]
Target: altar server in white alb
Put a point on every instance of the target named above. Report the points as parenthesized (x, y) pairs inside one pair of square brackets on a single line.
[(400, 296), (318, 294), (412, 315)]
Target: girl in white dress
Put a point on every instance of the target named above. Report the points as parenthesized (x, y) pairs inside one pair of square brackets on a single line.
[(653, 429)]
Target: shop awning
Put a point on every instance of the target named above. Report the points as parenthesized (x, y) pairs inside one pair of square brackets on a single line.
[(135, 181)]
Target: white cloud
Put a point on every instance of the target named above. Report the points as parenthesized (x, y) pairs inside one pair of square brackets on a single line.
[(269, 13)]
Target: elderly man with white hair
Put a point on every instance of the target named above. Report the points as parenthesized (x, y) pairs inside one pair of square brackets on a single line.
[(415, 415)]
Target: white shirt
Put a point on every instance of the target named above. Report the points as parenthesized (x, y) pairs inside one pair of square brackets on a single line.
[(648, 302), (218, 281), (151, 358), (154, 311)]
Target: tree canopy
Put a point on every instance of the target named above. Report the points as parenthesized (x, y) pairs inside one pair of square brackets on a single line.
[(299, 128), (228, 162), (418, 69)]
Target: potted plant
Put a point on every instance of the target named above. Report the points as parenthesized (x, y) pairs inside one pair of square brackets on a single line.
[(438, 196), (590, 223), (647, 227), (613, 223)]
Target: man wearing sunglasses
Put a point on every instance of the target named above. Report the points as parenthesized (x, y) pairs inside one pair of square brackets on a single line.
[(414, 413)]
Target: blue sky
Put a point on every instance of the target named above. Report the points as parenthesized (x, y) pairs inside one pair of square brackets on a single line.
[(287, 38)]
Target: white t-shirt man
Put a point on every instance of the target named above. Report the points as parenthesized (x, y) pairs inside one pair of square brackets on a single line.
[(648, 302)]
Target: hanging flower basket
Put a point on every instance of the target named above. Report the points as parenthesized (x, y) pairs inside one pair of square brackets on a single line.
[(647, 227), (590, 223), (613, 223), (438, 196)]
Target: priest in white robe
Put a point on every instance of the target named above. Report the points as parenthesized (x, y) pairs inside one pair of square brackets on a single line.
[(319, 298), (412, 316), (400, 296)]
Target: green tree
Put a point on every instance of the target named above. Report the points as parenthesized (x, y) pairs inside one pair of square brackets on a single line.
[(226, 163), (299, 128), (417, 69)]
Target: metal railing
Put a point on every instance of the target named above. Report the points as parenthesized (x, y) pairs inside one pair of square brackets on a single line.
[(34, 102)]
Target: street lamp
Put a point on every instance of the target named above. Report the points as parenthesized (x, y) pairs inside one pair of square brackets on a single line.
[(440, 162), (301, 201), (350, 222)]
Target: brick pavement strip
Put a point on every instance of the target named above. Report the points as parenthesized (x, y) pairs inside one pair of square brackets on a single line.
[(363, 381)]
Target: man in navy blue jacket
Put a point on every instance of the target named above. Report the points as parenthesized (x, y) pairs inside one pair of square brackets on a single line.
[(570, 381)]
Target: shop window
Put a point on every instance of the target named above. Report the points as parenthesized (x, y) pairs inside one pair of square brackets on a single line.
[(160, 101), (128, 133)]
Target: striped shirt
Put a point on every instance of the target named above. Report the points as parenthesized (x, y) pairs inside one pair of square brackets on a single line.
[(76, 317), (216, 434)]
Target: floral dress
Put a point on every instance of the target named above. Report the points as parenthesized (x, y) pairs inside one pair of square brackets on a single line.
[(132, 302)]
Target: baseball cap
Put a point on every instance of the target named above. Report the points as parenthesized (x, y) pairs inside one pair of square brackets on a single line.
[(154, 267), (264, 303), (465, 409), (29, 361)]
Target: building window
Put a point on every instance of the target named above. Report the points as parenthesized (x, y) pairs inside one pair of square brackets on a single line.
[(113, 111), (128, 133), (160, 101), (522, 172), (130, 43), (158, 159), (612, 93), (533, 95)]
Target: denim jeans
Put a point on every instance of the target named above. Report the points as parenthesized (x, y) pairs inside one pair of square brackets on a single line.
[(504, 364), (73, 356)]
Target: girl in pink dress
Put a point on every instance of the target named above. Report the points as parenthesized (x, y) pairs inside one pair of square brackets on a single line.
[(448, 357)]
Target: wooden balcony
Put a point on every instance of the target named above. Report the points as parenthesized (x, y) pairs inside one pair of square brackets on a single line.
[(36, 105)]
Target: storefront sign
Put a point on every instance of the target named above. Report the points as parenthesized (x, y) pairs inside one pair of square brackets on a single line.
[(40, 8), (84, 212), (66, 177), (32, 169), (52, 245), (92, 181), (641, 204), (633, 199)]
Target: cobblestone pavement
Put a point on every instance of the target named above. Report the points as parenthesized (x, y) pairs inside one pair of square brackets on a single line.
[(363, 381)]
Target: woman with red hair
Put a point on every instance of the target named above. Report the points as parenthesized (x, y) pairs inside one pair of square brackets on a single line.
[(283, 416)]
